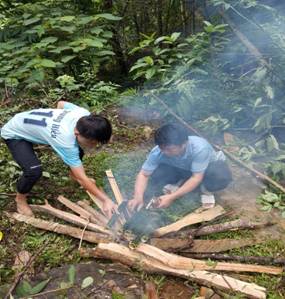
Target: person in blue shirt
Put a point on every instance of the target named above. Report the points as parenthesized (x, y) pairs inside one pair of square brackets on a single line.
[(181, 163), (69, 130)]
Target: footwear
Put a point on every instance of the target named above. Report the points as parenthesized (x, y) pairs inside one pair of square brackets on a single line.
[(208, 201)]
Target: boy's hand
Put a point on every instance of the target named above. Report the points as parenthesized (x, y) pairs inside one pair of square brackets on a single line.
[(109, 208), (135, 204), (164, 201)]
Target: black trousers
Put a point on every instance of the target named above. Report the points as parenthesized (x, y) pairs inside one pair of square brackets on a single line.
[(217, 176), (23, 153)]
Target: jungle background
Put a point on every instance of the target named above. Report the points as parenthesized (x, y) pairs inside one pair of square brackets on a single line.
[(218, 64)]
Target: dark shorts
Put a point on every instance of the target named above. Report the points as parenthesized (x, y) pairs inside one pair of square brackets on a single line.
[(217, 175)]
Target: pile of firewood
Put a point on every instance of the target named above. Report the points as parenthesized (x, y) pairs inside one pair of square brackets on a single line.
[(159, 254)]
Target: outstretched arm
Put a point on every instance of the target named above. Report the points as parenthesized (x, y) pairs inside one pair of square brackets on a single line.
[(78, 173), (188, 186), (140, 186)]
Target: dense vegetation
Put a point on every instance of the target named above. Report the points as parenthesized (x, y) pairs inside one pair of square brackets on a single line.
[(219, 64)]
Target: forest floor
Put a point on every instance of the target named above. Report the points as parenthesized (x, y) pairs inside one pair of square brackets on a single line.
[(124, 156)]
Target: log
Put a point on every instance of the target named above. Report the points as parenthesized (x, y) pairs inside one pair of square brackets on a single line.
[(189, 220), (171, 244), (47, 208), (76, 208), (100, 218), (178, 262), (264, 260), (74, 232), (137, 260), (209, 246), (97, 202), (226, 226), (114, 186)]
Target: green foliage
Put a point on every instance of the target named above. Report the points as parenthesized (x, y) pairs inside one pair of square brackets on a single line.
[(270, 200), (25, 289), (41, 40), (170, 50)]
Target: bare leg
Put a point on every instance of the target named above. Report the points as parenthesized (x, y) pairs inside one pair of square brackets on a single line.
[(22, 205)]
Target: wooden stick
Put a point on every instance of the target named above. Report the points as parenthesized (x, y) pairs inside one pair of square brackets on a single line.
[(100, 217), (178, 262), (97, 202), (76, 208), (265, 260), (227, 226), (231, 156), (74, 232), (222, 245), (135, 259), (71, 218), (171, 244), (114, 186), (189, 220)]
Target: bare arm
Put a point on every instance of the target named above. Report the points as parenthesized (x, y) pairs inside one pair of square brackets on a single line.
[(140, 187), (60, 104), (78, 173), (188, 186)]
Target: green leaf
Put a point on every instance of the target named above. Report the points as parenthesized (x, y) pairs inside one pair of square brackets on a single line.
[(46, 174), (272, 143), (175, 36), (150, 73), (105, 53), (69, 29), (47, 63), (39, 287), (85, 20), (65, 59), (108, 16), (23, 289), (49, 40), (88, 281), (71, 274), (148, 60), (31, 21), (67, 18), (93, 42)]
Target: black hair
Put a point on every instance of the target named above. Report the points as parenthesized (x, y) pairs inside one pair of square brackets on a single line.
[(170, 134), (95, 127)]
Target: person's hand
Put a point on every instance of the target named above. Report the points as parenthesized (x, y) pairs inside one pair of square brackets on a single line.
[(109, 208), (163, 201), (135, 204)]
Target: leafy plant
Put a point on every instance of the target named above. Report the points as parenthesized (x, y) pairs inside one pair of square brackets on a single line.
[(40, 40), (170, 50), (25, 289), (270, 200)]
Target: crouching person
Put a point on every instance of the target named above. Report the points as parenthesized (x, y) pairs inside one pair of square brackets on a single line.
[(69, 130), (178, 164)]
